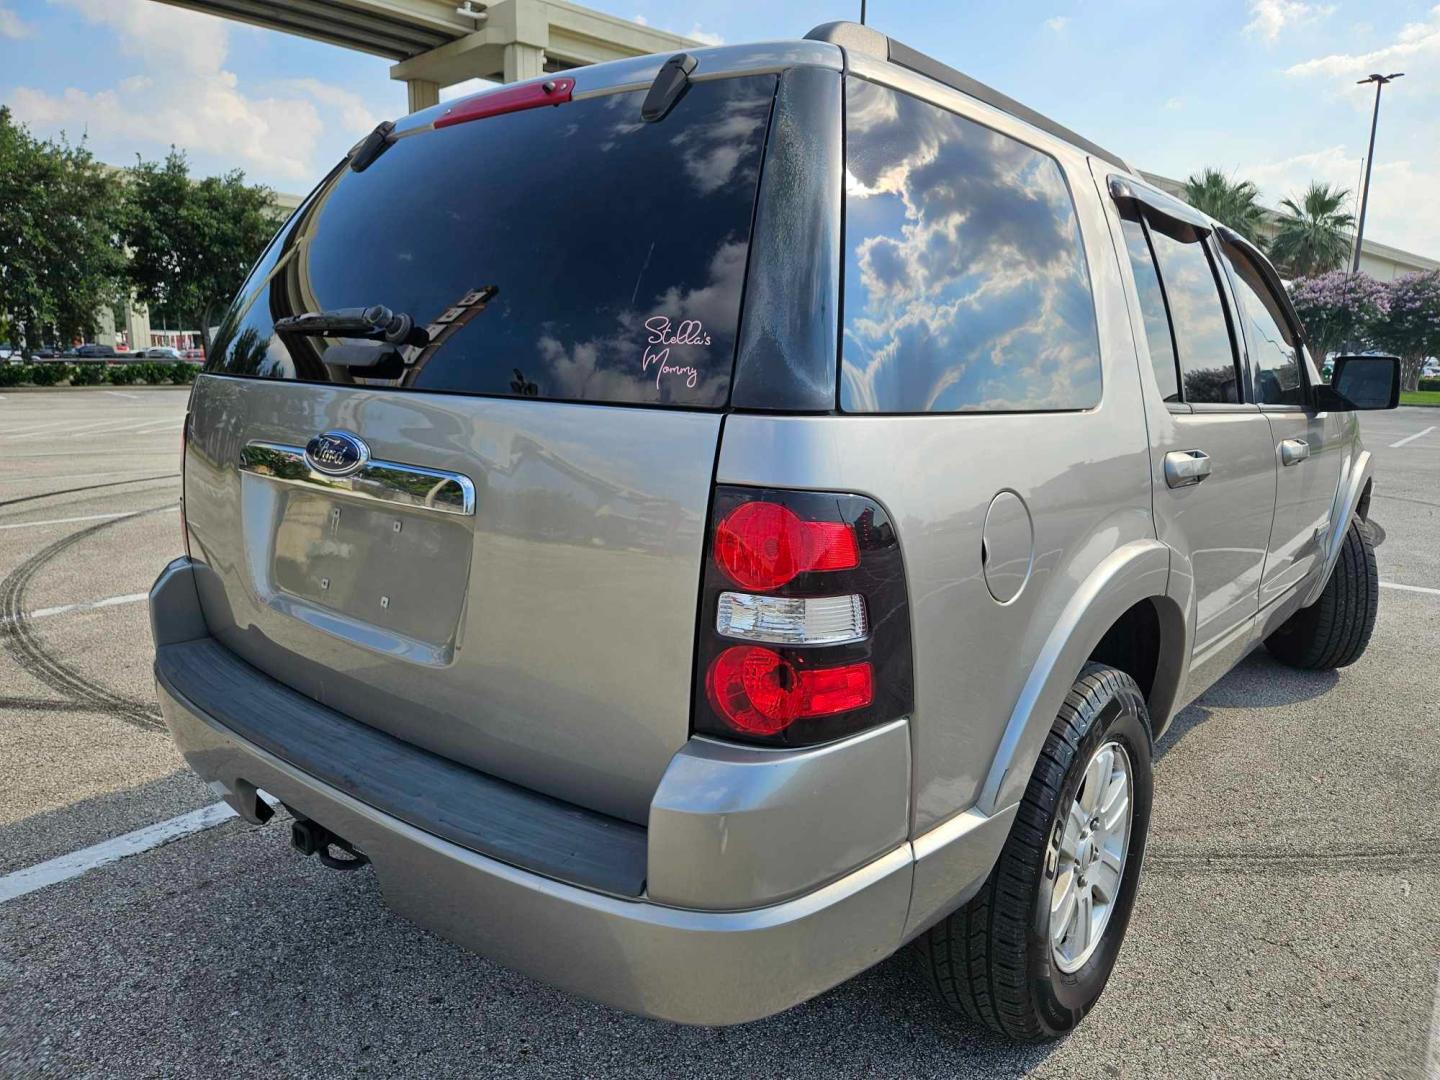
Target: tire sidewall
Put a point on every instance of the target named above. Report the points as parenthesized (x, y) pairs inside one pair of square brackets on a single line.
[(1062, 998)]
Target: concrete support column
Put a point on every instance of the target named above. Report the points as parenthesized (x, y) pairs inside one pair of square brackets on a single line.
[(421, 94), (523, 61)]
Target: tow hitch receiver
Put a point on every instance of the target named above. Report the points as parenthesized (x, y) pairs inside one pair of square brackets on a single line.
[(310, 838)]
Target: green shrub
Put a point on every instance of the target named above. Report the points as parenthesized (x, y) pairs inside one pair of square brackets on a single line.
[(87, 374), (183, 373), (47, 374), (13, 374), (122, 374), (1429, 384), (151, 372)]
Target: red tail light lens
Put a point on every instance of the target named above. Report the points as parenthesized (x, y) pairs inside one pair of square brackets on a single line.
[(760, 692), (763, 545), (815, 644)]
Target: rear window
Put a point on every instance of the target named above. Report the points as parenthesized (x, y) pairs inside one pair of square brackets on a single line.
[(966, 286), (571, 253)]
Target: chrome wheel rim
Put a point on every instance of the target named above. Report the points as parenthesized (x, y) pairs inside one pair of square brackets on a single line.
[(1090, 858)]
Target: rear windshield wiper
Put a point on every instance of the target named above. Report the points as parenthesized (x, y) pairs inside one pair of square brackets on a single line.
[(374, 323)]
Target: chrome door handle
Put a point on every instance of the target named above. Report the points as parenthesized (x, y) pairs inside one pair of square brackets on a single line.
[(1293, 451), (1186, 468)]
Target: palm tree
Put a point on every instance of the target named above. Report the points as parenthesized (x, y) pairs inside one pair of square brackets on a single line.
[(1315, 236), (1231, 202)]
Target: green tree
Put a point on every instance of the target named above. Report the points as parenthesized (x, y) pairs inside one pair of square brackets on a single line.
[(1410, 327), (192, 242), (1235, 203), (1314, 237), (61, 262)]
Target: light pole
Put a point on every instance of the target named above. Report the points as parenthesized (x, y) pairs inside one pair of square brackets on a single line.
[(1379, 81)]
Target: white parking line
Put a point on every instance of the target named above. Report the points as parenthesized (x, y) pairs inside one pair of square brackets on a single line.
[(1409, 588), (109, 601), (64, 867), (121, 393), (86, 517), (1432, 1053), (1412, 438)]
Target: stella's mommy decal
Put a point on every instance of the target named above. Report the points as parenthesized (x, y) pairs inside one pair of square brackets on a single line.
[(661, 337)]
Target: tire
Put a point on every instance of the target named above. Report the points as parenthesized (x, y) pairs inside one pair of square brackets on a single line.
[(994, 959), (1333, 631)]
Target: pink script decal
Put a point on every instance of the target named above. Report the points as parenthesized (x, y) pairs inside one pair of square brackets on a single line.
[(689, 332)]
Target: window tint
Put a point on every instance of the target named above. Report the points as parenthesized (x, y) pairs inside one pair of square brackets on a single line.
[(965, 285), (1152, 308), (1273, 354), (616, 250), (1202, 336)]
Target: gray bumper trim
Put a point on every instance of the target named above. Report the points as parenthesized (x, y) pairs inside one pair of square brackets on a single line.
[(443, 797), (696, 967)]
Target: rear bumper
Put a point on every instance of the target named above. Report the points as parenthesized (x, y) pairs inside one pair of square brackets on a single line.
[(698, 967), (662, 960)]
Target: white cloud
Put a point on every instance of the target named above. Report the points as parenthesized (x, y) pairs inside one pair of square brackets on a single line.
[(640, 19), (1414, 41), (1058, 23), (1269, 17), (12, 26), (190, 99), (354, 113), (1174, 103), (704, 36)]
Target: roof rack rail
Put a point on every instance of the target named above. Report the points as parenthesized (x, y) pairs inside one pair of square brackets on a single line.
[(853, 37)]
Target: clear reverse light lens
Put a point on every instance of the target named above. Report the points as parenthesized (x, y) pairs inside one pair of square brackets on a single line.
[(792, 620)]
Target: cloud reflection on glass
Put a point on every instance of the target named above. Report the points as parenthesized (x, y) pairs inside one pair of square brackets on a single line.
[(966, 287)]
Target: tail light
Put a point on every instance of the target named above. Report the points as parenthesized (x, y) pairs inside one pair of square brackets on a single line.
[(805, 623)]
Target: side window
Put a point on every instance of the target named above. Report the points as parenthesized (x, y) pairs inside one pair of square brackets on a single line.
[(1273, 353), (966, 286), (1202, 335), (1152, 308)]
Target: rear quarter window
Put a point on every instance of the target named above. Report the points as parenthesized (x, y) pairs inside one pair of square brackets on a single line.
[(616, 249), (965, 281)]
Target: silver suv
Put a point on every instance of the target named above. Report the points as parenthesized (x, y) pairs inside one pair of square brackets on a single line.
[(699, 524)]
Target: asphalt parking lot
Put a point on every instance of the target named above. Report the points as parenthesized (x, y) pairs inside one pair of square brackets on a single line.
[(1288, 924)]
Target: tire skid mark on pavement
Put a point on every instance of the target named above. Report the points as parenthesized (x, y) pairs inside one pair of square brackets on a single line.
[(27, 649), (1424, 856), (92, 487), (32, 704)]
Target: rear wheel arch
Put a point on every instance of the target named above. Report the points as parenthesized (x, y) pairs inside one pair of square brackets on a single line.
[(1147, 642), (1134, 573)]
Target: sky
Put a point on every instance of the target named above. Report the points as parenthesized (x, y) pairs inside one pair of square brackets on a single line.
[(1261, 89)]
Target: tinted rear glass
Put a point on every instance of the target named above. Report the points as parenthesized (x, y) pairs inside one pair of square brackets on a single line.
[(616, 250), (966, 286)]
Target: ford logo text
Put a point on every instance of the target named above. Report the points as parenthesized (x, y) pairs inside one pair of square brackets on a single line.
[(336, 453)]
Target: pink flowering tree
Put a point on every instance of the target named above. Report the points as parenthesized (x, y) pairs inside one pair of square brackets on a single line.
[(1411, 326), (1339, 311)]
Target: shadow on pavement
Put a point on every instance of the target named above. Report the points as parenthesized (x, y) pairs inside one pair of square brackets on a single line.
[(1257, 682)]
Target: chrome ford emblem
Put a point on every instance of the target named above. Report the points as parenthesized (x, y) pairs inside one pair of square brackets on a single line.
[(336, 453)]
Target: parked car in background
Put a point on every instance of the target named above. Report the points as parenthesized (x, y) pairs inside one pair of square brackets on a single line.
[(162, 352), (91, 352), (443, 538), (195, 355)]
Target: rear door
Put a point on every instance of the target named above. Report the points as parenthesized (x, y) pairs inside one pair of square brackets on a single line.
[(485, 537), (1211, 452), (1310, 446)]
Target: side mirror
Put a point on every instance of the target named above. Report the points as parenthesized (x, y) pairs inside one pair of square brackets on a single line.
[(1361, 382)]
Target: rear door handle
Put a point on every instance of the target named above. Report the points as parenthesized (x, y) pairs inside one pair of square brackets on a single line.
[(1186, 468), (1293, 451)]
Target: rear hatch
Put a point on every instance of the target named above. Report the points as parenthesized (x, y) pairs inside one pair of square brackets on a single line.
[(485, 536)]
